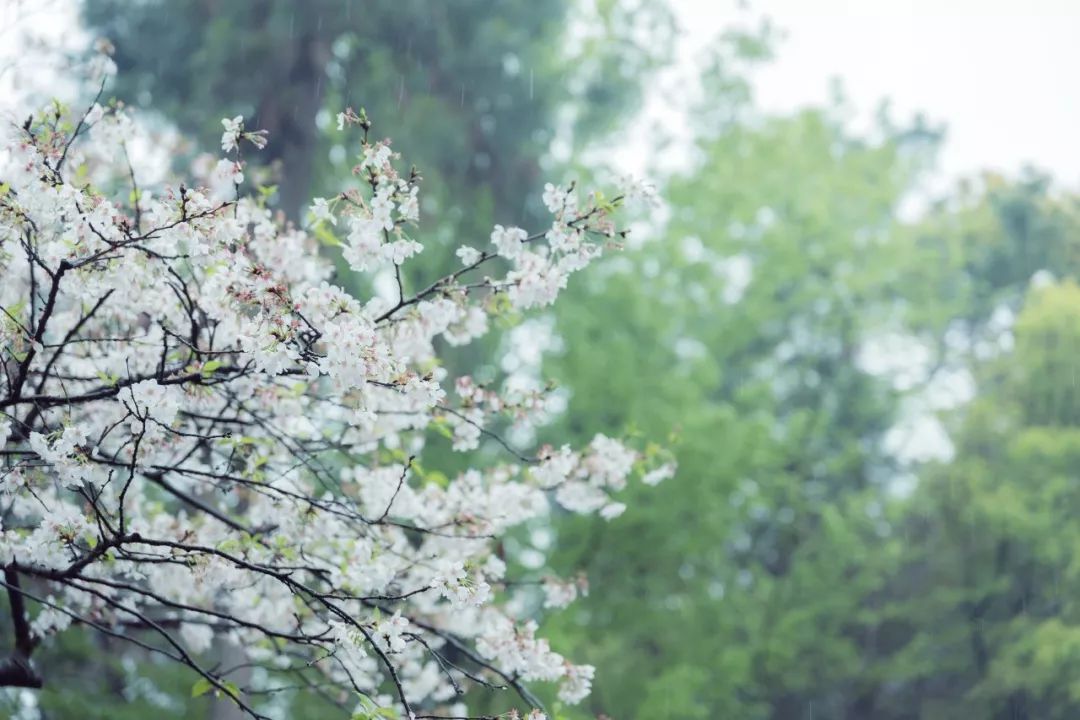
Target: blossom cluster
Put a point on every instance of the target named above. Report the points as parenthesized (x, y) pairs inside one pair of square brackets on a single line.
[(206, 441)]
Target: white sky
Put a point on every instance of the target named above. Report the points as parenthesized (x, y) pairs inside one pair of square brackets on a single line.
[(1001, 74)]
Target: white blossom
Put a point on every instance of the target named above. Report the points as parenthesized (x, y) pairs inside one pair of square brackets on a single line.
[(577, 683), (389, 632), (559, 594), (508, 242), (204, 427), (320, 210), (658, 475), (468, 255), (230, 139)]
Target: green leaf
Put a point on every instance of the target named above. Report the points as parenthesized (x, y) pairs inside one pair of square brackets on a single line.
[(232, 689), (325, 236), (201, 687), (441, 426), (439, 479), (368, 710), (108, 378), (209, 367)]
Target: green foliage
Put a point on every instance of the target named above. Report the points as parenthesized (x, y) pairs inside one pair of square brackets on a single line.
[(753, 563), (993, 540), (785, 572)]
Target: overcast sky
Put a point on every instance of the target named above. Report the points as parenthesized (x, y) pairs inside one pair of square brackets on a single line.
[(1002, 74)]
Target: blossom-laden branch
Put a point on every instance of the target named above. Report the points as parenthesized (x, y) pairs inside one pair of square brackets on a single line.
[(203, 438)]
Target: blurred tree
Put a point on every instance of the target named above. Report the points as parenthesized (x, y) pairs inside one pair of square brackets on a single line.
[(737, 589), (479, 95), (972, 256), (785, 572), (984, 594)]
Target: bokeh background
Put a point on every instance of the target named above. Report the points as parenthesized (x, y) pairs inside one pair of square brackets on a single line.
[(854, 318)]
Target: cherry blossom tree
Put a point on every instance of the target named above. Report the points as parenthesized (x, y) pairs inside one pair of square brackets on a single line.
[(203, 438)]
